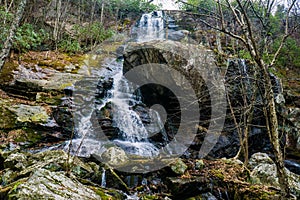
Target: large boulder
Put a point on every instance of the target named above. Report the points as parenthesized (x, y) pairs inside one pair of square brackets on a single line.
[(263, 171), (176, 55), (44, 184), (179, 72), (196, 65)]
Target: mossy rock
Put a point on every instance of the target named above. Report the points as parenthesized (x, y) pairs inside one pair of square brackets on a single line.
[(8, 176), (108, 194), (199, 164), (16, 161), (217, 173), (44, 184), (52, 97), (8, 119), (6, 74), (179, 167), (25, 136), (27, 113)]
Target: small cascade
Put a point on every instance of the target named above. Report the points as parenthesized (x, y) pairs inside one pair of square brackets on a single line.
[(127, 120), (150, 26), (133, 134), (103, 178)]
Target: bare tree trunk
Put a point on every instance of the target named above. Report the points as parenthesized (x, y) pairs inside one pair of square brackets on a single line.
[(15, 24), (94, 2), (272, 128), (57, 20), (218, 42), (102, 12)]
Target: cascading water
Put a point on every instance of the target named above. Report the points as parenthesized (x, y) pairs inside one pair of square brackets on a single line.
[(150, 26), (103, 178), (132, 130), (123, 114), (133, 134)]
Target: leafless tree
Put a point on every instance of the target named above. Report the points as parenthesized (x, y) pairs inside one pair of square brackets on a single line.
[(241, 13), (11, 33)]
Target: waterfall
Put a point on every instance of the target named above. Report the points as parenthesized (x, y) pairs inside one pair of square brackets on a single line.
[(126, 119), (103, 178), (150, 26), (132, 134)]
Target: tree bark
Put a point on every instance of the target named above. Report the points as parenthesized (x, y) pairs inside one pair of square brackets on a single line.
[(272, 128), (12, 31), (57, 21), (102, 12)]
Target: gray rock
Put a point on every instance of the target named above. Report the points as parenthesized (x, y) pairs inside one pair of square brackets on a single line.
[(44, 184), (208, 196), (45, 85), (178, 35), (199, 164), (259, 158), (114, 156), (179, 167), (27, 113), (184, 68), (263, 171), (293, 116), (16, 161)]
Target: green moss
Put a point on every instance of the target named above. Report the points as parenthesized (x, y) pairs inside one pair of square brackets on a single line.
[(38, 117), (278, 73), (199, 164), (16, 185), (6, 74), (179, 167), (64, 85), (52, 98), (53, 167), (6, 192), (7, 118), (150, 197), (217, 173), (25, 134), (108, 194), (27, 113)]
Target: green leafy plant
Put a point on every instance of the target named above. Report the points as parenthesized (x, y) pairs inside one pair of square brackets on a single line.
[(289, 55), (28, 38), (69, 45), (91, 34)]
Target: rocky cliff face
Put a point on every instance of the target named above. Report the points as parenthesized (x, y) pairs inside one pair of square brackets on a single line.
[(197, 65), (187, 69)]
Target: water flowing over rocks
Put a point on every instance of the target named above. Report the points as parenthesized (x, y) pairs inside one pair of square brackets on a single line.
[(45, 115), (177, 56)]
